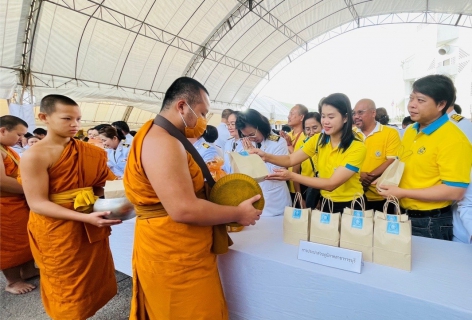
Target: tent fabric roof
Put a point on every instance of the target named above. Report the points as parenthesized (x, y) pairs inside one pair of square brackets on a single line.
[(130, 51)]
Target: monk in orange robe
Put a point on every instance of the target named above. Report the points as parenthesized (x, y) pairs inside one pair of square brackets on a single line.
[(62, 177), (16, 260), (175, 274)]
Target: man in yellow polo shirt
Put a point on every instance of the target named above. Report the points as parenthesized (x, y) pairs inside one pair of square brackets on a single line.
[(382, 143), (437, 169), (295, 139)]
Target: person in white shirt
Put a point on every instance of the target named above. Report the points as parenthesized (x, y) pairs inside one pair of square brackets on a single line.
[(223, 133), (233, 144), (255, 128), (462, 210), (124, 128), (117, 150), (207, 151)]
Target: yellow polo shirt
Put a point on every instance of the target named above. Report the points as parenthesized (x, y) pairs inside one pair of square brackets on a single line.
[(329, 158), (296, 146), (381, 143), (307, 167), (439, 153)]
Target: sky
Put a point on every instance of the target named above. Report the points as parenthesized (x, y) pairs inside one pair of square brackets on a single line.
[(364, 63)]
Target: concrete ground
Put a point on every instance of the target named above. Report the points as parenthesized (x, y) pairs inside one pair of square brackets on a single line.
[(29, 306)]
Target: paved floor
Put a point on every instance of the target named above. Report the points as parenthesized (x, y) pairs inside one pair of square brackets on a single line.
[(29, 306)]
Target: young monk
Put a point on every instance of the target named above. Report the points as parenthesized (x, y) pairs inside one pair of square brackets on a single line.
[(62, 178), (16, 260)]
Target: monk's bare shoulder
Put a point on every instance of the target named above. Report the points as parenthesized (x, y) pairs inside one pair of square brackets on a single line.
[(42, 155), (158, 140)]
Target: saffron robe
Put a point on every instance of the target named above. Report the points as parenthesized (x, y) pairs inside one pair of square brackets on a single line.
[(175, 274), (77, 277), (14, 212)]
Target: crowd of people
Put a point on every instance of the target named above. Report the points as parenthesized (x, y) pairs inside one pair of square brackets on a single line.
[(336, 153)]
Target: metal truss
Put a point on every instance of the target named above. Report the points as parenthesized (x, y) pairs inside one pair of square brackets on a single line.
[(45, 80), (108, 15), (426, 17), (352, 10), (225, 27), (31, 23)]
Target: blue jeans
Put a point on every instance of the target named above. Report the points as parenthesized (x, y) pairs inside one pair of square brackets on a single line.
[(438, 226)]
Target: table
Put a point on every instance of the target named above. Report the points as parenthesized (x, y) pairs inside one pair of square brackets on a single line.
[(263, 279)]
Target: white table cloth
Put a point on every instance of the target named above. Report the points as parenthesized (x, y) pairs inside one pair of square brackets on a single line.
[(263, 279)]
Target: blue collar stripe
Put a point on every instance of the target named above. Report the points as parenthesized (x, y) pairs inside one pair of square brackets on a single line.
[(433, 126)]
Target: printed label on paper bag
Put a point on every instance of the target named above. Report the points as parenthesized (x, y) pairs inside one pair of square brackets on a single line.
[(244, 153), (393, 228), (357, 213), (392, 218), (297, 213), (325, 218), (357, 223)]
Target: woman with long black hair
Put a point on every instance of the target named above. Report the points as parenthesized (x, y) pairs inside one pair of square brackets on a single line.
[(339, 156)]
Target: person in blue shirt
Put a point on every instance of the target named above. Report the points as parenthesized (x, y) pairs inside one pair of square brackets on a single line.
[(206, 150), (117, 151)]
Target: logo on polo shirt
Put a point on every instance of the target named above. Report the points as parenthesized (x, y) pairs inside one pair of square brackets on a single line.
[(421, 150), (378, 153)]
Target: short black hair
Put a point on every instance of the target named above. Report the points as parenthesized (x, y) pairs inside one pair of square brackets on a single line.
[(183, 88), (407, 121), (40, 131), (340, 102), (211, 134), (48, 103), (255, 119), (111, 132), (132, 132), (27, 135), (121, 125), (457, 108), (438, 87), (101, 126), (10, 122), (226, 113), (311, 115)]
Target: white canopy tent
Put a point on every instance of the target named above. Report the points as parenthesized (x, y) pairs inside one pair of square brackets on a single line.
[(129, 52)]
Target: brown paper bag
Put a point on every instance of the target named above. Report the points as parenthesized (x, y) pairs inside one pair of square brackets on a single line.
[(357, 230), (249, 164), (392, 175), (114, 189), (392, 238), (324, 226), (296, 222)]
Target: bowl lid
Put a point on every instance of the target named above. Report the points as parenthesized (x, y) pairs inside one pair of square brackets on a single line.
[(234, 188)]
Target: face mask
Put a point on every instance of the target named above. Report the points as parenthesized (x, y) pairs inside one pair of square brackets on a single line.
[(198, 130)]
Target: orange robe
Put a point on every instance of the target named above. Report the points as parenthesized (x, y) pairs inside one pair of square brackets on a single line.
[(14, 212), (77, 277), (175, 275)]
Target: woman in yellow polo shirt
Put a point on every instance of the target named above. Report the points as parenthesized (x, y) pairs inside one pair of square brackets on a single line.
[(311, 126), (339, 155)]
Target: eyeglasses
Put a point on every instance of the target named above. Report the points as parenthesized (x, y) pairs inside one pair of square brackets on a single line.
[(252, 135), (231, 124), (359, 113)]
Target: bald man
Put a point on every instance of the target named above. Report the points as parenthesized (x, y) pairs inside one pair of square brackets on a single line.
[(382, 144)]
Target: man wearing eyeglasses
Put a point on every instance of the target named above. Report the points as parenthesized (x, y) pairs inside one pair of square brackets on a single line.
[(382, 144)]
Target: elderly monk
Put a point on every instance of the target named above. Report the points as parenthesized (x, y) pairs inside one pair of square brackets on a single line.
[(175, 274), (62, 178), (16, 260)]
